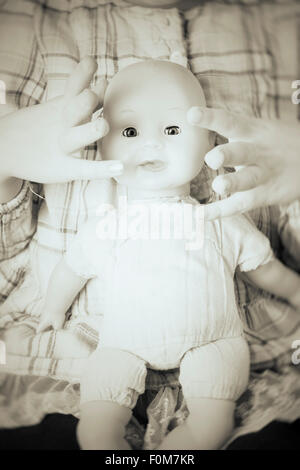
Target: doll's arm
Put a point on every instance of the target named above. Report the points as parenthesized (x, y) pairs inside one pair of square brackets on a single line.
[(277, 279), (63, 287)]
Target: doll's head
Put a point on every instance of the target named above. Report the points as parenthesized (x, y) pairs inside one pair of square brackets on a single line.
[(146, 106)]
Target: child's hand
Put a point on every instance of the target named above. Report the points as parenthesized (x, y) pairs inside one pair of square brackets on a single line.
[(257, 144), (43, 140), (51, 320)]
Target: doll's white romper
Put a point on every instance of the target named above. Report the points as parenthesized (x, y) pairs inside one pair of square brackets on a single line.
[(166, 306)]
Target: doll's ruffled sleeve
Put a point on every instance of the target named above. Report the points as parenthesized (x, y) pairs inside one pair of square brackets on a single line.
[(250, 247)]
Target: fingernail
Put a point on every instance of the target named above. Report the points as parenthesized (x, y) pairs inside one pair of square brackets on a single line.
[(214, 159), (101, 126), (221, 185), (194, 115)]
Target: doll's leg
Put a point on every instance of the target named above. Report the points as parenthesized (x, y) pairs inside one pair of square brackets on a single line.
[(102, 426), (110, 386), (212, 376), (206, 427)]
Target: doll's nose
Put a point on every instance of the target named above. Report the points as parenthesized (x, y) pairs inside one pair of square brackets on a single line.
[(152, 145)]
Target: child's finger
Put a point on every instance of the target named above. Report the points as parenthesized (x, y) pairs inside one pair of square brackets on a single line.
[(80, 108), (80, 136), (99, 89), (226, 123), (247, 178), (236, 204), (80, 77), (233, 154), (86, 170)]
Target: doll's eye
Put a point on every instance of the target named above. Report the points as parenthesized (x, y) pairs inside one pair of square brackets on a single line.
[(172, 130), (130, 132)]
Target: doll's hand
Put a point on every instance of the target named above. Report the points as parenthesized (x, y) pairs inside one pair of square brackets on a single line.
[(51, 320)]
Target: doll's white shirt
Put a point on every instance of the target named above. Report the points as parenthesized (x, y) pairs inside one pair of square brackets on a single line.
[(161, 299)]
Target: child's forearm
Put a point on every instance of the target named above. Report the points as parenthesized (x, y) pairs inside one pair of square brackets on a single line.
[(9, 188), (277, 279)]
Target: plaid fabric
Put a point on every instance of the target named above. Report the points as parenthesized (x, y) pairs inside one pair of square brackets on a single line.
[(237, 52), (16, 233)]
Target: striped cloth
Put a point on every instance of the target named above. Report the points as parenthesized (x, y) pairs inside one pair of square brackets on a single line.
[(237, 51)]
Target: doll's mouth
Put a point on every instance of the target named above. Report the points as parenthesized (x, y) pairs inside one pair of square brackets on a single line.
[(153, 165)]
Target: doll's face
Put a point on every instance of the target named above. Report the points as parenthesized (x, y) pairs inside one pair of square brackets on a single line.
[(146, 106)]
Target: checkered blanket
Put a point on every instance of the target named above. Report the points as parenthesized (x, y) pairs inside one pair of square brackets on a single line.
[(238, 52)]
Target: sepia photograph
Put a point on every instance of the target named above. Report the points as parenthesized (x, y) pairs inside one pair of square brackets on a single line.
[(149, 227)]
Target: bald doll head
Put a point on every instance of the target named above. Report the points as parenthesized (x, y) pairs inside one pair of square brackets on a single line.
[(145, 106), (164, 81)]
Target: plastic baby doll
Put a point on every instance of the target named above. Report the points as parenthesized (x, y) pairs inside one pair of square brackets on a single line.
[(164, 306)]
